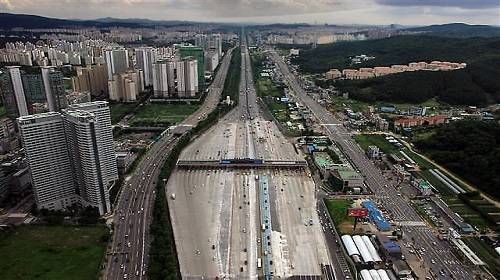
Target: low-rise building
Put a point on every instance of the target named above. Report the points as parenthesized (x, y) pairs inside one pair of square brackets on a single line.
[(333, 74), (343, 178), (422, 186), (373, 152), (420, 121)]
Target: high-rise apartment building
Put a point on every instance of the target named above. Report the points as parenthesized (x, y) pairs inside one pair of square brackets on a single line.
[(145, 58), (199, 54), (215, 43), (91, 78), (82, 139), (33, 86), (71, 156), (116, 61), (12, 90), (55, 93), (104, 132), (175, 78), (27, 93), (126, 86), (44, 140), (200, 40)]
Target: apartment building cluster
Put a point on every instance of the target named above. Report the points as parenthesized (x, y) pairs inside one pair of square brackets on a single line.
[(413, 121), (68, 142), (367, 73), (307, 38), (26, 93), (70, 155), (55, 53), (212, 47)]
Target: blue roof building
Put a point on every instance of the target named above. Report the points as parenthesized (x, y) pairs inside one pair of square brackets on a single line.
[(376, 216)]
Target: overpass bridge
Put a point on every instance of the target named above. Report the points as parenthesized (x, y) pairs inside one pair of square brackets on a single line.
[(241, 164)]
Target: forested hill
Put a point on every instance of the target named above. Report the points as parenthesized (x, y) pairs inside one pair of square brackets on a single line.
[(468, 148), (459, 30), (477, 84), (397, 50)]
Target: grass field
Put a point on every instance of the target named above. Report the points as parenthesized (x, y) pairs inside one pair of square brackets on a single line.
[(120, 110), (378, 140), (52, 252), (265, 87), (341, 103), (485, 253), (338, 212), (158, 114)]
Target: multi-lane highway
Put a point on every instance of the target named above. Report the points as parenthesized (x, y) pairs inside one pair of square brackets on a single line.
[(437, 255), (128, 256), (217, 213)]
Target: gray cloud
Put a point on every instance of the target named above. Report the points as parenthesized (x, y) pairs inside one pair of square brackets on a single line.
[(332, 11), (465, 4)]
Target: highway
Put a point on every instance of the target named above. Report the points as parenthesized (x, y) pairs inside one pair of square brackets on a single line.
[(128, 256), (437, 256), (215, 211)]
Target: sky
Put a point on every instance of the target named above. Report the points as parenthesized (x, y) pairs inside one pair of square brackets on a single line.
[(408, 12)]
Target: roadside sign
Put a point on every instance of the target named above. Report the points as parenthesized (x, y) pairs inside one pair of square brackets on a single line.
[(358, 212)]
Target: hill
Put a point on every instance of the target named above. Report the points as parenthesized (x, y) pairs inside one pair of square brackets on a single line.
[(478, 84), (458, 30), (468, 148), (9, 21)]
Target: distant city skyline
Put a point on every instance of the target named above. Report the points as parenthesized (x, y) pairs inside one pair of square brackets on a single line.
[(377, 12)]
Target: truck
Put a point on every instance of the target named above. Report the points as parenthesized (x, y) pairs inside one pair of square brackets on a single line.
[(259, 263)]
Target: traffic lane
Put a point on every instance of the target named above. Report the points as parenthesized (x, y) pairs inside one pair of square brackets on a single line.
[(332, 241), (374, 174), (142, 167), (124, 225)]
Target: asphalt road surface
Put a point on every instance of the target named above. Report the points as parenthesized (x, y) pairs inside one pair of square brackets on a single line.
[(215, 213), (128, 257)]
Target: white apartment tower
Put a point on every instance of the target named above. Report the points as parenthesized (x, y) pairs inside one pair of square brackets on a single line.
[(104, 132), (71, 156), (116, 61), (145, 58), (88, 169), (44, 141), (175, 78), (17, 86)]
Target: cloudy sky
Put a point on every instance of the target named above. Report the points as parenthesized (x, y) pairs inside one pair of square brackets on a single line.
[(266, 11)]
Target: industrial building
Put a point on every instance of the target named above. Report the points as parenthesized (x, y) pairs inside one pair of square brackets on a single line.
[(361, 249)]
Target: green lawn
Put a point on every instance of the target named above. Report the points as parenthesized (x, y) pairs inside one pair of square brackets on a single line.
[(265, 87), (378, 140), (338, 212), (52, 252), (119, 110), (2, 111), (485, 253), (160, 114)]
